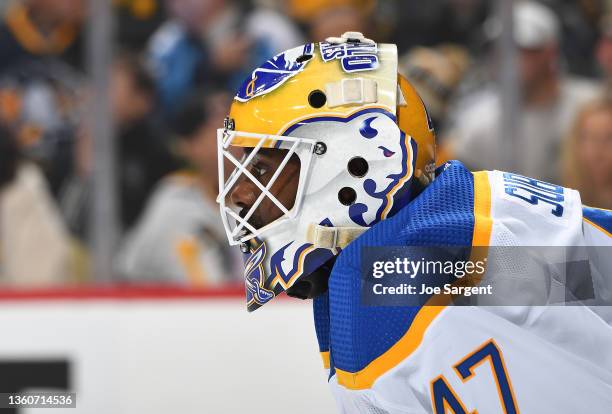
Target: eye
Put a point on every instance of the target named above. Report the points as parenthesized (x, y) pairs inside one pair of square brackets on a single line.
[(259, 170), (386, 151)]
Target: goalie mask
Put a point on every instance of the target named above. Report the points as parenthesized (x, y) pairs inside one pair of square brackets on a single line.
[(325, 140)]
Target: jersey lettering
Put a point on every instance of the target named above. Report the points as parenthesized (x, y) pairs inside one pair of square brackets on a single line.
[(535, 192)]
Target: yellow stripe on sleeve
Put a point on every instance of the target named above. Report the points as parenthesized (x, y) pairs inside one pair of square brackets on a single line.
[(325, 358)]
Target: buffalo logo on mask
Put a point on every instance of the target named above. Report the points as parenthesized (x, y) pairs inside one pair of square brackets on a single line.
[(254, 277), (275, 72)]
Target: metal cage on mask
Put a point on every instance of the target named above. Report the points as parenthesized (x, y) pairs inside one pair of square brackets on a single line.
[(237, 226)]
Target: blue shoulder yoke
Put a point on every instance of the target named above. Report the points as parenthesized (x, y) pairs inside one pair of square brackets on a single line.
[(441, 216)]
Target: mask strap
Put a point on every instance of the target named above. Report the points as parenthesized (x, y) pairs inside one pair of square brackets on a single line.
[(332, 237), (352, 91)]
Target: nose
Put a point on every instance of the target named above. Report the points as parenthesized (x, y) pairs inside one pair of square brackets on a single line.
[(244, 194)]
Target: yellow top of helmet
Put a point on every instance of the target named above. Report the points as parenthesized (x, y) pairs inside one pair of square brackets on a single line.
[(280, 93)]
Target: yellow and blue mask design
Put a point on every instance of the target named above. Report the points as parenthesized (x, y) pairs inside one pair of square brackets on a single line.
[(275, 72), (255, 278), (362, 145)]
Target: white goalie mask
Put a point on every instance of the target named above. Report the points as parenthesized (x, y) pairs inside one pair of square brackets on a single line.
[(324, 141)]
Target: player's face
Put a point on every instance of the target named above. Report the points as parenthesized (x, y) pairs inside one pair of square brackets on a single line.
[(263, 167)]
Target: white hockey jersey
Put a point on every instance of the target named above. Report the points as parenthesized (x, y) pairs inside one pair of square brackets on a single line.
[(468, 359)]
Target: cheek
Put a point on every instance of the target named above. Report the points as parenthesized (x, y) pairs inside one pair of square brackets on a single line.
[(228, 167), (596, 158), (526, 68), (285, 187), (587, 154), (531, 64)]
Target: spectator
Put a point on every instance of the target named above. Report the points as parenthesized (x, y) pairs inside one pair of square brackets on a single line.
[(213, 42), (180, 238), (333, 19), (330, 18), (34, 247), (143, 154), (588, 154), (35, 29), (41, 102), (549, 100)]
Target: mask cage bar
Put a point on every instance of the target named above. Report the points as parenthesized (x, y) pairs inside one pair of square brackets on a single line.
[(224, 140), (267, 193)]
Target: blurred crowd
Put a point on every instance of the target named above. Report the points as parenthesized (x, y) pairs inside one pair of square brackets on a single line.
[(176, 65)]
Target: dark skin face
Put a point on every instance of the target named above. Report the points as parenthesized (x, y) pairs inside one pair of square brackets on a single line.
[(263, 166)]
